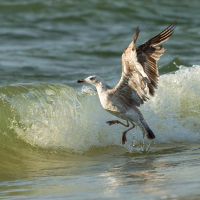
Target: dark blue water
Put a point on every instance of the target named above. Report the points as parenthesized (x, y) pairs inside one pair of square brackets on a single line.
[(60, 41)]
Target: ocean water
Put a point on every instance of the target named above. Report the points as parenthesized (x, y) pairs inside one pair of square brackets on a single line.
[(54, 140)]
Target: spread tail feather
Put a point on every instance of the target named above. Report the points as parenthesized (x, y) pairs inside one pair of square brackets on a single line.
[(146, 130), (150, 135)]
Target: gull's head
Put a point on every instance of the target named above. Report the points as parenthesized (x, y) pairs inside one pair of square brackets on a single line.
[(93, 80)]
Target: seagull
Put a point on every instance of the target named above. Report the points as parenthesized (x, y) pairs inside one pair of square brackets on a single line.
[(139, 79)]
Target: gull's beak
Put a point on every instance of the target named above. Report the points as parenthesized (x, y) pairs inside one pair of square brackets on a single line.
[(81, 80)]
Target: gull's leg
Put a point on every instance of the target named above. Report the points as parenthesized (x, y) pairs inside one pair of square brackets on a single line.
[(117, 122), (143, 138), (143, 142), (124, 133)]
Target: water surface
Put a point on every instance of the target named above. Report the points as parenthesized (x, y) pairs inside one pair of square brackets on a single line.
[(54, 142)]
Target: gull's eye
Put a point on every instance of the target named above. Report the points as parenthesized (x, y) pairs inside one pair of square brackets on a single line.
[(92, 78)]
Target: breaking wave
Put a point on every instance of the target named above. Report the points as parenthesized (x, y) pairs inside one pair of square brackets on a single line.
[(57, 116)]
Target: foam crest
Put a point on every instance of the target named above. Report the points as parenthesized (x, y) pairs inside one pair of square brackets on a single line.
[(174, 112)]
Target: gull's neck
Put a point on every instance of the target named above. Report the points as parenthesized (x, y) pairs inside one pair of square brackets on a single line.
[(102, 87)]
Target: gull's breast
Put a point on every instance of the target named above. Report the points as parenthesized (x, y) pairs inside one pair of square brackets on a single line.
[(111, 105)]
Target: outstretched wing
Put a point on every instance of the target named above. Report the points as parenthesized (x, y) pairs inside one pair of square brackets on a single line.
[(139, 68)]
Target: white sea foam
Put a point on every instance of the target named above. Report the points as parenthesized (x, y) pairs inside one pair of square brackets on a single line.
[(174, 112), (59, 117)]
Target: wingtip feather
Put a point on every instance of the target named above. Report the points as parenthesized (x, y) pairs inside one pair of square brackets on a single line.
[(136, 36)]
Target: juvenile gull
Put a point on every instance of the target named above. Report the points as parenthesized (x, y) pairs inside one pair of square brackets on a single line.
[(138, 80)]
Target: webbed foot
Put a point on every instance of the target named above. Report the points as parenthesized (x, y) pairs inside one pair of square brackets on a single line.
[(112, 122), (124, 137)]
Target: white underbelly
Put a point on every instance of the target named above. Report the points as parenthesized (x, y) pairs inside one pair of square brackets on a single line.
[(130, 115), (115, 108), (117, 114)]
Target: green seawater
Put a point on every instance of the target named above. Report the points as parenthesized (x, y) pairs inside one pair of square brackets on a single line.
[(54, 142)]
